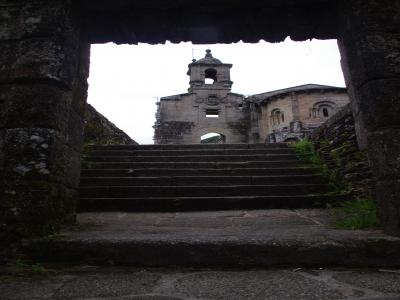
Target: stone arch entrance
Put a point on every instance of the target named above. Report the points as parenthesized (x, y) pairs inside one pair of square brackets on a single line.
[(45, 63), (213, 138)]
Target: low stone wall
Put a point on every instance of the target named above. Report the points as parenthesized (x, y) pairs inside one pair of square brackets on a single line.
[(100, 131), (336, 141)]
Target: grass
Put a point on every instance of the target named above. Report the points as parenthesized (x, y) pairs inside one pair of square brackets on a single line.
[(354, 214), (20, 268), (306, 151)]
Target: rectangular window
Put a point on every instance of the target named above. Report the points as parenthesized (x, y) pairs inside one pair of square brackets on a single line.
[(212, 113)]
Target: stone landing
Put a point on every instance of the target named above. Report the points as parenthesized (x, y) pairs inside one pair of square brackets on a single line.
[(235, 239)]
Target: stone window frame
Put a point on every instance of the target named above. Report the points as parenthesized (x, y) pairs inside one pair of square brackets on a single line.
[(212, 113), (277, 117), (318, 109)]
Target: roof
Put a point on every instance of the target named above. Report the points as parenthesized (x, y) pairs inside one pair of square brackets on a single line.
[(306, 87), (208, 59), (174, 97)]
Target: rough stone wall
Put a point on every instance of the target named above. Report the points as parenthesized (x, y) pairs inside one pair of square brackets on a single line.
[(336, 141), (182, 118), (172, 132), (300, 113), (43, 85), (44, 63), (100, 131), (369, 42)]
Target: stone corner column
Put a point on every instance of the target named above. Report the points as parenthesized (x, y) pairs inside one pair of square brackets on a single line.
[(43, 84), (370, 49)]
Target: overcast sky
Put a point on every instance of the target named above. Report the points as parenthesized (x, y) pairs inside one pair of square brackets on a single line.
[(125, 81)]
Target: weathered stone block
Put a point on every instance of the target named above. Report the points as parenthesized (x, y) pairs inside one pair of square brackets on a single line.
[(389, 205), (42, 96), (36, 207), (34, 105), (380, 104), (34, 154), (384, 153), (372, 15), (72, 168), (26, 19), (75, 133), (51, 59), (80, 92), (373, 55)]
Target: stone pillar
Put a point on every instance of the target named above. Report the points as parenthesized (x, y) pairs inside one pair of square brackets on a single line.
[(295, 107), (43, 86), (295, 125), (254, 124), (370, 49)]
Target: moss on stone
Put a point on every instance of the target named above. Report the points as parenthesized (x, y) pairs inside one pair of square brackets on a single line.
[(100, 131)]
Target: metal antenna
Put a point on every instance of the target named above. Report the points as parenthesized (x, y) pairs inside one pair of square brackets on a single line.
[(193, 59)]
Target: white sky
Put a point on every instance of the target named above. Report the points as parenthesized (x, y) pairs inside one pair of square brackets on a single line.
[(125, 81)]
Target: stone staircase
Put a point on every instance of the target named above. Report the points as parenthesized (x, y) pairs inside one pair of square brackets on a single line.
[(213, 206), (198, 177)]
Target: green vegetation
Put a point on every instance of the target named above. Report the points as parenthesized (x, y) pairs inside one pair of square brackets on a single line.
[(306, 151), (86, 164), (20, 268), (354, 214)]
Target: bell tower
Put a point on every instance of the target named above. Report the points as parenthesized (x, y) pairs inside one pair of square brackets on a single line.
[(208, 108), (209, 73)]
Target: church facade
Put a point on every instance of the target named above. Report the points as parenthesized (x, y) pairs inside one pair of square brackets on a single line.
[(209, 106)]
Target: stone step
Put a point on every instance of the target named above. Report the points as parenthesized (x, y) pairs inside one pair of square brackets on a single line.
[(189, 152), (195, 165), (174, 283), (200, 180), (234, 239), (197, 172), (174, 204), (201, 191), (186, 147), (193, 158)]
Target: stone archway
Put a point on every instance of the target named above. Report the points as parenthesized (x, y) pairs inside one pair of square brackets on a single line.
[(213, 138), (228, 136), (45, 54)]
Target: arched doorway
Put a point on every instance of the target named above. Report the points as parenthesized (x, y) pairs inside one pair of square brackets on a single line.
[(212, 138)]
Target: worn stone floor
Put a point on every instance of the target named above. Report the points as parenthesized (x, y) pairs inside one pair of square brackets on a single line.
[(243, 238), (94, 283), (104, 245), (241, 225)]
